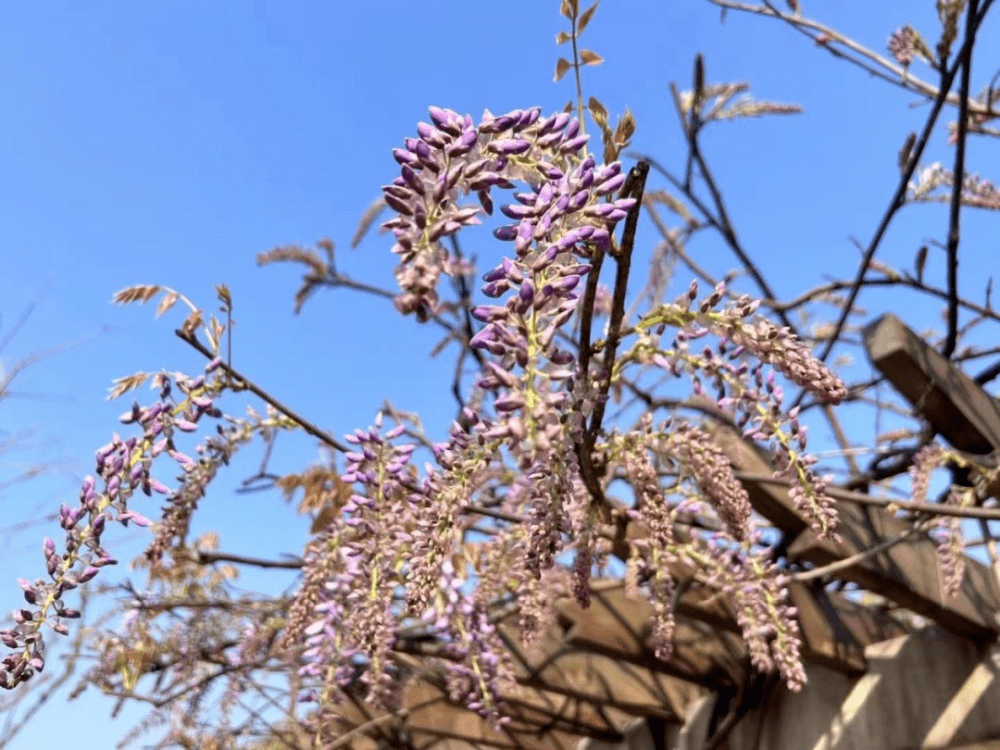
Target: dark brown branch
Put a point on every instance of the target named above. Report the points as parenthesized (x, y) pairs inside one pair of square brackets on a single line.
[(204, 558), (956, 189), (861, 498), (897, 199), (262, 394)]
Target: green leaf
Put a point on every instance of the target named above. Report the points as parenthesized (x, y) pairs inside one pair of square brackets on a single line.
[(562, 65)]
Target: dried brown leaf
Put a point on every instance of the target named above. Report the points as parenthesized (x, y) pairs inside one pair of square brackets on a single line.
[(140, 293), (222, 291), (368, 218), (598, 111), (589, 57), (166, 302), (215, 331), (585, 18), (191, 323), (562, 65), (625, 129), (569, 8), (126, 383), (562, 37)]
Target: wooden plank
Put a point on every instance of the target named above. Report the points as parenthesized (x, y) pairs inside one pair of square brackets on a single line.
[(906, 574), (962, 412)]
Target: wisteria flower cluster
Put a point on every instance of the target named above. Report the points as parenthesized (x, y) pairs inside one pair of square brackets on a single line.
[(123, 466), (735, 370), (529, 450), (399, 531)]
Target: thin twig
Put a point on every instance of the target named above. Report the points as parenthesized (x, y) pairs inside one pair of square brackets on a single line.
[(897, 199), (249, 385), (882, 502), (956, 189)]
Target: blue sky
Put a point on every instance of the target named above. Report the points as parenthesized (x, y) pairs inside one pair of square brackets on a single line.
[(169, 143)]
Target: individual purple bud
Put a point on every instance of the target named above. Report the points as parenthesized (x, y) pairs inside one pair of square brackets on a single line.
[(525, 234), (602, 211), (443, 228), (526, 294), (512, 271), (102, 456), (89, 572), (137, 518), (418, 147), (561, 357), (185, 425), (568, 283), (508, 146), (489, 313), (424, 130), (30, 595), (545, 196), (545, 258), (626, 204), (449, 121), (152, 485), (132, 415), (549, 171), (511, 401), (454, 174), (412, 179), (485, 201), (506, 233), (495, 274), (542, 227), (610, 186), (466, 216), (464, 144), (548, 140), (561, 207), (515, 211), (607, 171), (572, 128), (494, 289), (602, 239), (135, 475), (48, 548), (404, 156), (579, 200)]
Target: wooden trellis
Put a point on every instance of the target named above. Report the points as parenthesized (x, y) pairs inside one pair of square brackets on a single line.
[(594, 673)]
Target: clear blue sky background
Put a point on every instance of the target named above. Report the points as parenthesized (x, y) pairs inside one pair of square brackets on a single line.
[(170, 142)]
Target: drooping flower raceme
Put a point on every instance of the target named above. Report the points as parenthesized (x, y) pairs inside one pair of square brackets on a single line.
[(123, 466), (523, 452)]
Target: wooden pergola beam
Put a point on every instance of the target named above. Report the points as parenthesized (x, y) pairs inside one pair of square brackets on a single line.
[(906, 573), (954, 404)]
